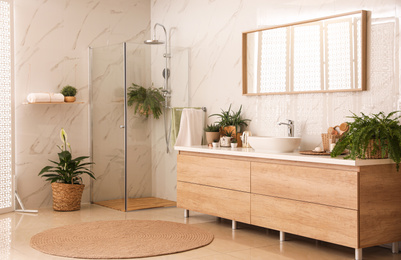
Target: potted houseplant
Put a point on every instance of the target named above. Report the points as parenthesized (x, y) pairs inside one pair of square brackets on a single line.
[(147, 100), (372, 137), (231, 121), (212, 132), (215, 143), (238, 121), (234, 143), (69, 93), (65, 177), (225, 140)]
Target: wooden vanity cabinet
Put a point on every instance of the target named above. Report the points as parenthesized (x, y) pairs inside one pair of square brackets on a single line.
[(215, 186), (354, 206), (307, 201)]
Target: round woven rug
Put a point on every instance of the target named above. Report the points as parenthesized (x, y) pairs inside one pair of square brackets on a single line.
[(120, 239)]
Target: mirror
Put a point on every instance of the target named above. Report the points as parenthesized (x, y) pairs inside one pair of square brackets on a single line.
[(320, 55)]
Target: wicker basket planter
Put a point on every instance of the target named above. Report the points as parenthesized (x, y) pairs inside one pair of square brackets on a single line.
[(369, 154), (67, 197)]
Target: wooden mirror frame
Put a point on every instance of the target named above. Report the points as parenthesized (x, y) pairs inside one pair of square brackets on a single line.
[(363, 55)]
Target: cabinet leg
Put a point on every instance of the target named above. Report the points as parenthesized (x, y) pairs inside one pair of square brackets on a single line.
[(282, 236), (358, 253), (186, 213), (234, 224), (394, 247)]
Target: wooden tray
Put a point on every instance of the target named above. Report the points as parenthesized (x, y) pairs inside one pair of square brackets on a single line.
[(310, 152)]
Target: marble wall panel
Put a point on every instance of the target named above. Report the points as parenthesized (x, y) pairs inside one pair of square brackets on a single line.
[(51, 50)]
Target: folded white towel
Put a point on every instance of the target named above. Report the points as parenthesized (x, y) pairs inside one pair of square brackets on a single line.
[(191, 127), (45, 98)]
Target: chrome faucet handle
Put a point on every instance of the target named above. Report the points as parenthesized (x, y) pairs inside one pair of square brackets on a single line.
[(290, 126)]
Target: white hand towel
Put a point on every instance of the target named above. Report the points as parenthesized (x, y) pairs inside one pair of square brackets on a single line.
[(45, 98), (191, 127)]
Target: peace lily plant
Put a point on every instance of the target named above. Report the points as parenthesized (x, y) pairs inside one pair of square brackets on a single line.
[(66, 170)]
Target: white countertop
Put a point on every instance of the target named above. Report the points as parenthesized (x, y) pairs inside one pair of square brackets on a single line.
[(295, 156)]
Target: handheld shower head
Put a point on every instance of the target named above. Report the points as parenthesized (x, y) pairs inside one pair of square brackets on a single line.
[(166, 74)]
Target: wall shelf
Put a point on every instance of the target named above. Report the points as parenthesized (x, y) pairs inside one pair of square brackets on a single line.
[(53, 103)]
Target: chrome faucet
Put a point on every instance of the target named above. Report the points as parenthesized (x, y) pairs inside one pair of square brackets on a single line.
[(290, 125)]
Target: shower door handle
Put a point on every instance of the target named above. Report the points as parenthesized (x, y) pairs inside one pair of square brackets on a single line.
[(122, 126)]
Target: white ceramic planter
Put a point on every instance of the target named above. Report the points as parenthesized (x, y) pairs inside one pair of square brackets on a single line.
[(225, 141)]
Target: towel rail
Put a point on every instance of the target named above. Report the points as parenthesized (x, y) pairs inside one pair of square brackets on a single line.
[(203, 108)]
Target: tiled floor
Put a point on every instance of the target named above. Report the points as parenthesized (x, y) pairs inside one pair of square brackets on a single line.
[(247, 242)]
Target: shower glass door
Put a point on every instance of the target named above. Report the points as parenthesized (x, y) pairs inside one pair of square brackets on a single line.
[(138, 128), (131, 166), (107, 84), (121, 141)]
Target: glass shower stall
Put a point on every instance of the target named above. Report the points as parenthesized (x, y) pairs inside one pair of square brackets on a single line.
[(121, 142)]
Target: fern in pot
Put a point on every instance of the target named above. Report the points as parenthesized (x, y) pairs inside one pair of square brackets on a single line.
[(147, 101), (373, 136), (65, 177)]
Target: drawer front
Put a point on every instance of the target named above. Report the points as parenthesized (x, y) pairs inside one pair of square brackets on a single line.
[(223, 173), (218, 202), (324, 186), (326, 223)]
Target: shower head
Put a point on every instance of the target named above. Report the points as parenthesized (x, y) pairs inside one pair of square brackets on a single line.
[(153, 42)]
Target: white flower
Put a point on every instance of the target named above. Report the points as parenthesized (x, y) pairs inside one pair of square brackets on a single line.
[(63, 136)]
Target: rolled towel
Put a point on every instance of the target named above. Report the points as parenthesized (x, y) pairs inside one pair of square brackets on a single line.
[(45, 98), (56, 98)]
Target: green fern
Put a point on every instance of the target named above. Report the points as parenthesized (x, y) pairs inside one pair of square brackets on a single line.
[(384, 130), (146, 100)]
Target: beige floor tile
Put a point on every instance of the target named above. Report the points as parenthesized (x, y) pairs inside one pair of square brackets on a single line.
[(218, 257), (247, 242)]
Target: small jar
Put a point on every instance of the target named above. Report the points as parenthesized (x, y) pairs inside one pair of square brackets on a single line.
[(332, 146)]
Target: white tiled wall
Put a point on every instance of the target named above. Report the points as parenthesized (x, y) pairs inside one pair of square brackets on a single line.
[(212, 31)]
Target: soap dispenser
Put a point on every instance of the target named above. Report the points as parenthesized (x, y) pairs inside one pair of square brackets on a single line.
[(244, 139)]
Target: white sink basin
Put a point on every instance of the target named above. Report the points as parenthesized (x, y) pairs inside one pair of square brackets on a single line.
[(273, 144)]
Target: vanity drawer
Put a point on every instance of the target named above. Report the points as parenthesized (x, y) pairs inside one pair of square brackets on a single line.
[(234, 205), (324, 186), (326, 223), (223, 173)]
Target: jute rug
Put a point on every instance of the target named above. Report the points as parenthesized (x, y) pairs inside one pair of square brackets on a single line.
[(120, 239)]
